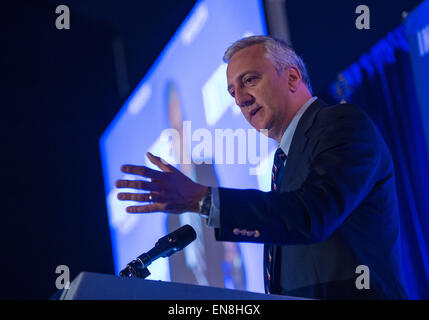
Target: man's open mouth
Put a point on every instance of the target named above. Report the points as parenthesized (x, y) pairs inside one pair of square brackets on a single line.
[(254, 111)]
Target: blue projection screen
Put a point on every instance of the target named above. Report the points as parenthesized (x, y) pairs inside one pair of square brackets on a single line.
[(185, 89)]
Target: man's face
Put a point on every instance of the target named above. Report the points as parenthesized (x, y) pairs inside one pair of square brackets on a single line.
[(258, 89)]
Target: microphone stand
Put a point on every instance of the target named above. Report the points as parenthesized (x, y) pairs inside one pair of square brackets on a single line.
[(134, 270)]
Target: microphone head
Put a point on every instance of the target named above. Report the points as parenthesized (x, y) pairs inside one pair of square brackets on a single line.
[(182, 237), (168, 245)]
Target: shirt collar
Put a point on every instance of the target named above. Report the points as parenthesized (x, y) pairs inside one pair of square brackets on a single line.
[(290, 130)]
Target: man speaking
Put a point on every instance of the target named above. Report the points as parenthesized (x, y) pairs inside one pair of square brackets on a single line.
[(332, 209)]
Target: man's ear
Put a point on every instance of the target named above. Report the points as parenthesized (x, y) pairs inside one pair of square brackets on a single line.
[(294, 78)]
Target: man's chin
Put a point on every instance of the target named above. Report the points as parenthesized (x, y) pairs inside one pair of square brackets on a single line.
[(258, 125), (263, 129), (264, 132)]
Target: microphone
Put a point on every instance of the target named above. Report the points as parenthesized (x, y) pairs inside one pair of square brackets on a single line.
[(165, 247)]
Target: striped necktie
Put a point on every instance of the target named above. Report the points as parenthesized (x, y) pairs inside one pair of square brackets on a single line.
[(279, 161)]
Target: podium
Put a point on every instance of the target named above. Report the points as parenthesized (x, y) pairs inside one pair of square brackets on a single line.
[(96, 286)]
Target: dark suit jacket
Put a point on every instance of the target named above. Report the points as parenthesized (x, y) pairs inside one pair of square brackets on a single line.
[(336, 209)]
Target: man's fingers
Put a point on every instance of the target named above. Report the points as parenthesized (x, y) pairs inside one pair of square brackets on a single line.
[(153, 207), (141, 197), (142, 171), (161, 163), (137, 184)]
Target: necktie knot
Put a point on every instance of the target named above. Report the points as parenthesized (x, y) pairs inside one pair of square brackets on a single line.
[(279, 157)]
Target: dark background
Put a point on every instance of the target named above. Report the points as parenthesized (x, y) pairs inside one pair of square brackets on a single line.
[(61, 88)]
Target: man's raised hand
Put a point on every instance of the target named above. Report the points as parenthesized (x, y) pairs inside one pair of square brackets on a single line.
[(169, 190)]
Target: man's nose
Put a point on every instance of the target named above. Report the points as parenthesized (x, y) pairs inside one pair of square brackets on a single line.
[(243, 98)]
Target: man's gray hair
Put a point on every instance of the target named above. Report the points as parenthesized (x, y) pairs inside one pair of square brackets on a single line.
[(278, 52)]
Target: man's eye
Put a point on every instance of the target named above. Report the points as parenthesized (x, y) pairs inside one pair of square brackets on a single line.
[(232, 93), (250, 80)]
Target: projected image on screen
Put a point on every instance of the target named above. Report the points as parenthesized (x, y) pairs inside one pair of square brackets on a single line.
[(185, 90)]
